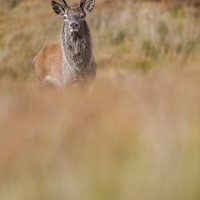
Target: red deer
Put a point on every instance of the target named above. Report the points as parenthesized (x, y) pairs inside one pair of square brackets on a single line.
[(71, 61)]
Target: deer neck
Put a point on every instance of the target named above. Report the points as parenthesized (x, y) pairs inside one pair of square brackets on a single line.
[(77, 52)]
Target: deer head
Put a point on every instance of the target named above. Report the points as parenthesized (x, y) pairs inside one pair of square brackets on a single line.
[(73, 16)]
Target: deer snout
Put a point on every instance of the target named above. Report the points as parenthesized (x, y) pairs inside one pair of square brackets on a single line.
[(74, 26)]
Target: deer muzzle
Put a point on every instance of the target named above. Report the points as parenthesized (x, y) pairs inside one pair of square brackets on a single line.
[(74, 27)]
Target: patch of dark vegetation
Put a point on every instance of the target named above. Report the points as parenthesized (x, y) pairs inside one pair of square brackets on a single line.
[(6, 72)]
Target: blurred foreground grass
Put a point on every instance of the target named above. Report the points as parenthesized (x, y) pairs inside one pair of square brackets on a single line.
[(134, 135), (129, 137)]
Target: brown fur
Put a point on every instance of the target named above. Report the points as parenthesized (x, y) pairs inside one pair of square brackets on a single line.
[(48, 62)]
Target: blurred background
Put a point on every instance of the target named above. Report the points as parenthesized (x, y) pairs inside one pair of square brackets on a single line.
[(134, 135)]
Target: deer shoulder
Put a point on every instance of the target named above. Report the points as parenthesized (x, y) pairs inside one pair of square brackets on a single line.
[(48, 63)]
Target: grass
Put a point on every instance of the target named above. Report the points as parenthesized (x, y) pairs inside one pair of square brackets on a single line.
[(133, 135), (137, 33), (129, 137)]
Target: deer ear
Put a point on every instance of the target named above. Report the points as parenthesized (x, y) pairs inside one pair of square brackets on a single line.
[(58, 9), (88, 6)]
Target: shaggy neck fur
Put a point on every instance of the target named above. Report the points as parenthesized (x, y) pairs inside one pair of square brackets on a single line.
[(77, 53)]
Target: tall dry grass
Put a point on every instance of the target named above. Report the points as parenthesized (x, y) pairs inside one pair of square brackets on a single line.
[(126, 35), (133, 135)]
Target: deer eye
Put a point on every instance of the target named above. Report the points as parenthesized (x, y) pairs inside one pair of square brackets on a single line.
[(82, 16), (65, 17)]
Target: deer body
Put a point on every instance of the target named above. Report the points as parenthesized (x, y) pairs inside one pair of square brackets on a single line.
[(71, 61)]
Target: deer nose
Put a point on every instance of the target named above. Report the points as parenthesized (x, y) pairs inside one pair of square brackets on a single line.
[(74, 25)]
